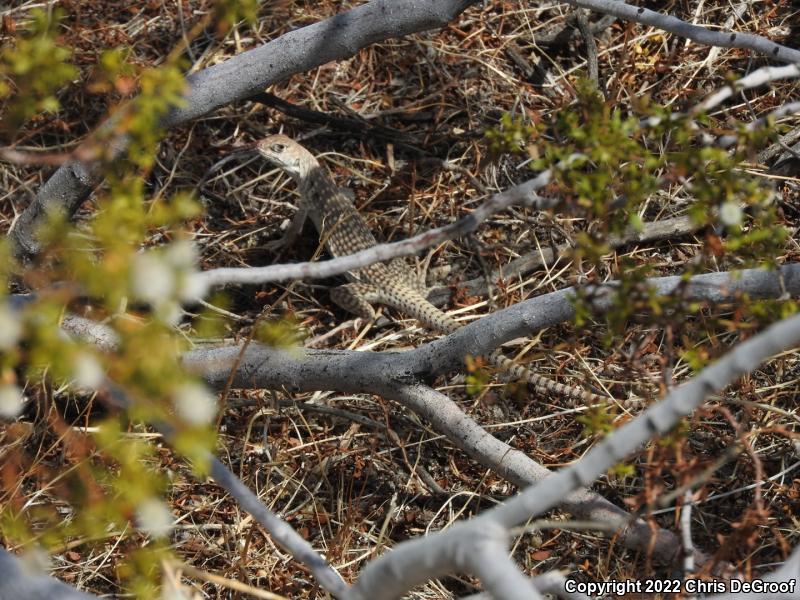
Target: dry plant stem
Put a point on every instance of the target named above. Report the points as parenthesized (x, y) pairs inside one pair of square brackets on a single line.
[(244, 75), (790, 108), (386, 576), (488, 558), (591, 49), (565, 32), (224, 582), (696, 33), (686, 533), (447, 418), (780, 146), (755, 79), (279, 530), (352, 125), (311, 370)]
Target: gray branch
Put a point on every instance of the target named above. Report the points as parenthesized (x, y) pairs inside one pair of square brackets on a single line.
[(392, 569), (17, 582), (484, 335), (243, 76), (696, 33), (395, 376), (522, 194)]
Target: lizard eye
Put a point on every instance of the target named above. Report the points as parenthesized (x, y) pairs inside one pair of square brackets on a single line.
[(278, 147)]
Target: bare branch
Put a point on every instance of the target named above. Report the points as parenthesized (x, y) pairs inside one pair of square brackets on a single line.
[(755, 79), (696, 33), (485, 334), (392, 569), (524, 194), (245, 75), (15, 582), (278, 529)]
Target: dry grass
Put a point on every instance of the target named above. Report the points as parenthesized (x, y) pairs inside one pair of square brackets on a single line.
[(355, 489)]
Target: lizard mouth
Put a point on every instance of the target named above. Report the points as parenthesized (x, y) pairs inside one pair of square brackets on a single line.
[(246, 146)]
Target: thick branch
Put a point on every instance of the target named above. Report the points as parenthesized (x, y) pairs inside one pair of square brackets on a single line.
[(390, 569), (245, 75), (16, 582), (484, 335)]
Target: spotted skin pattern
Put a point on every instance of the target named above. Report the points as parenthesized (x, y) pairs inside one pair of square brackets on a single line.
[(343, 231)]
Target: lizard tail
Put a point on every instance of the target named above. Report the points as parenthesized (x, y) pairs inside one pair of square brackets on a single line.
[(414, 304), (543, 384)]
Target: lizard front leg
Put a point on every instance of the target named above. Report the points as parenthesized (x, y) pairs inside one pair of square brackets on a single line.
[(295, 227)]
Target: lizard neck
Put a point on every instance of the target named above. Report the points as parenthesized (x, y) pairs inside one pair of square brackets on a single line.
[(305, 166), (317, 187)]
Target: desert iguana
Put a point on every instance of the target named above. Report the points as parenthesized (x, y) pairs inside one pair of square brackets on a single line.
[(343, 231)]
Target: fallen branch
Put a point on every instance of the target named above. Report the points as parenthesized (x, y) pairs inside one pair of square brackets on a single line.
[(696, 33), (394, 573)]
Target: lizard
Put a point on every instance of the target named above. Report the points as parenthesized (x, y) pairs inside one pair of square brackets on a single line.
[(344, 231)]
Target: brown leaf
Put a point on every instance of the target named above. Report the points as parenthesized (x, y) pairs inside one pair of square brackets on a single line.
[(9, 25)]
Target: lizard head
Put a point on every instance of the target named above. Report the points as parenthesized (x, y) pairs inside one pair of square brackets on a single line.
[(287, 154)]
